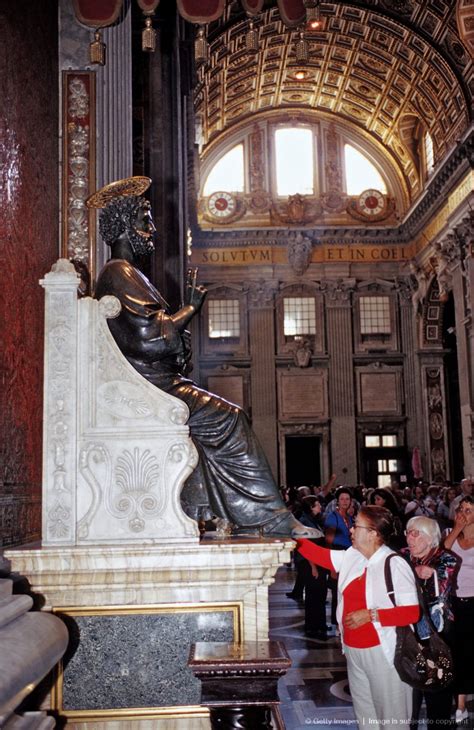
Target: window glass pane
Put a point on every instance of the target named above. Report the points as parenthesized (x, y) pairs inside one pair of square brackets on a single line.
[(429, 156), (384, 480), (389, 440), (294, 161), (374, 315), (382, 465), (361, 174), (372, 441), (228, 173), (299, 316), (224, 319), (392, 465)]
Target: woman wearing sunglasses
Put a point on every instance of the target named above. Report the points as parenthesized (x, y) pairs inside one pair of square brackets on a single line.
[(367, 617)]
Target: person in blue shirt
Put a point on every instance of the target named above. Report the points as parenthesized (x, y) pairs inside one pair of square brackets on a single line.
[(337, 524), (337, 527)]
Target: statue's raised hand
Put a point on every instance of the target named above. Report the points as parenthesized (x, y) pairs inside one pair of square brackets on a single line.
[(195, 294)]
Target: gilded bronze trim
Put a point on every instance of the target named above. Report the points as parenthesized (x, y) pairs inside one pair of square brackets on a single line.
[(78, 240)]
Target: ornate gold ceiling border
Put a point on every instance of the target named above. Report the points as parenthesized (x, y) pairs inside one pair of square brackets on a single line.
[(78, 178), (442, 219)]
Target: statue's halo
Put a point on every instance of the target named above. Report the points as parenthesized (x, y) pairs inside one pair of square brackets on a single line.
[(120, 188)]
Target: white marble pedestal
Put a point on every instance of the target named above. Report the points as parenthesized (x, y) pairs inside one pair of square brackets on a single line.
[(133, 611)]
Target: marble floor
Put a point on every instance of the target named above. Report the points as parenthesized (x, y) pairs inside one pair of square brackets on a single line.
[(314, 692)]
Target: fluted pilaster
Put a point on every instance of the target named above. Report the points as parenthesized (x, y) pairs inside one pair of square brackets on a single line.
[(263, 383), (411, 370), (341, 382)]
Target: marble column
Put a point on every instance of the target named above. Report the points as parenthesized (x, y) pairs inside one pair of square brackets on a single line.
[(341, 381), (263, 383)]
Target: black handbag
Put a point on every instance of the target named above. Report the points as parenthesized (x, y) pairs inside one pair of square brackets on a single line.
[(423, 664)]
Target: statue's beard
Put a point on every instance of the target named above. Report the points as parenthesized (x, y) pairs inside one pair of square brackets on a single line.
[(141, 245)]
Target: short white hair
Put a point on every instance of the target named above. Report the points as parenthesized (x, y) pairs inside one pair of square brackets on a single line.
[(428, 526)]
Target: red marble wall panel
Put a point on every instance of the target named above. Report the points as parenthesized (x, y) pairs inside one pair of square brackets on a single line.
[(28, 246)]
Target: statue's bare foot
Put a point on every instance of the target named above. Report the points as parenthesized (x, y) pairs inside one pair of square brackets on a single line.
[(286, 525), (301, 531)]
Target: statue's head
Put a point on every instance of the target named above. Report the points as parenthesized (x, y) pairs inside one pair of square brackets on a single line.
[(125, 214)]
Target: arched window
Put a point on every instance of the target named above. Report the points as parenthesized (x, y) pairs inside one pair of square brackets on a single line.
[(429, 154), (294, 161), (361, 173), (284, 169), (227, 173)]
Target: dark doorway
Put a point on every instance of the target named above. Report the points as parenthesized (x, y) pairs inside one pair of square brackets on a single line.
[(303, 460)]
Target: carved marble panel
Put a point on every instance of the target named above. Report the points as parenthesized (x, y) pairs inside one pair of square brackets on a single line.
[(379, 390), (433, 378), (302, 393)]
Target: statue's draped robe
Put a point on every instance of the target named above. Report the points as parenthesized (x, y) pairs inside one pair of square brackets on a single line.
[(233, 478)]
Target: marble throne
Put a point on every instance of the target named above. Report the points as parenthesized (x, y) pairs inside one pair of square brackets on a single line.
[(116, 450), (120, 561)]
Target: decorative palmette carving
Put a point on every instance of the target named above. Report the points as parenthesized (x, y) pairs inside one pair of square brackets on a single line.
[(58, 521), (134, 495)]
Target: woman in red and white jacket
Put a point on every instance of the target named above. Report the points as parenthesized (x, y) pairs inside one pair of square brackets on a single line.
[(367, 617)]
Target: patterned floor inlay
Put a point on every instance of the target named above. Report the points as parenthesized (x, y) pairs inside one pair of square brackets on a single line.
[(314, 691)]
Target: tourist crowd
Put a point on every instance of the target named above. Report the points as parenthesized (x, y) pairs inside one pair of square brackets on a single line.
[(432, 530)]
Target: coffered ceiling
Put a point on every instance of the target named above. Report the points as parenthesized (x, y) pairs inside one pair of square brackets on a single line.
[(385, 67)]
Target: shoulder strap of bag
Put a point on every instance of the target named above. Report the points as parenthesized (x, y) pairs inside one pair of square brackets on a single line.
[(388, 577), (391, 592)]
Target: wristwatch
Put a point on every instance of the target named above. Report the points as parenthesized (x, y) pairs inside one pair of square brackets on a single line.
[(374, 616)]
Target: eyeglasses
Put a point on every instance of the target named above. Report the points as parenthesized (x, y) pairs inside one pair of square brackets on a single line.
[(362, 527), (413, 533)]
